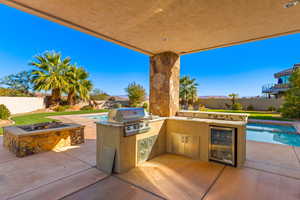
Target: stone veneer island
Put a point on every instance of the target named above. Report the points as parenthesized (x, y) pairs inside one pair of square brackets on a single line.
[(30, 139)]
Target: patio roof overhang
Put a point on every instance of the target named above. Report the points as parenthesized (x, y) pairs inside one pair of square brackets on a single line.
[(179, 26), (166, 29)]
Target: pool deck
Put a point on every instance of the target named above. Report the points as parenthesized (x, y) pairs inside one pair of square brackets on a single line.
[(271, 172)]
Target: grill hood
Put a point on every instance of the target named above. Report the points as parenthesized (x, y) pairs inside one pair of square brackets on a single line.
[(124, 115)]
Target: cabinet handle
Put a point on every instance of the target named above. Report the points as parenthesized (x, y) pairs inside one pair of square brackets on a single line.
[(184, 139)]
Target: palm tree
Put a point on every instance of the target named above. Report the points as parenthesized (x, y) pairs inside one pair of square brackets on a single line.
[(51, 74), (79, 86), (233, 97), (188, 90)]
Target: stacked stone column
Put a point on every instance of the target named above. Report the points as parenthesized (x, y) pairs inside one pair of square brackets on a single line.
[(164, 84)]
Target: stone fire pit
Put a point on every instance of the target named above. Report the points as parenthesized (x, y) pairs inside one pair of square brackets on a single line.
[(30, 139)]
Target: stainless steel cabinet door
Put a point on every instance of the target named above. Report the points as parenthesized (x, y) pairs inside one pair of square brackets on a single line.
[(191, 147), (177, 144), (185, 145)]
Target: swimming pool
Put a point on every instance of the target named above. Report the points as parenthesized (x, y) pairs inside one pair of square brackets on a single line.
[(98, 117), (276, 134)]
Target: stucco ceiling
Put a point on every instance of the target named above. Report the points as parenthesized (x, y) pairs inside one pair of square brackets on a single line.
[(181, 26)]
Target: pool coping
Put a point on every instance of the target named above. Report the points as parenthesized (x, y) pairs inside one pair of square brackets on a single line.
[(285, 132), (92, 114), (295, 124)]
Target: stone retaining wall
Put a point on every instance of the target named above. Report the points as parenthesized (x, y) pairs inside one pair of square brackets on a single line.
[(257, 103)]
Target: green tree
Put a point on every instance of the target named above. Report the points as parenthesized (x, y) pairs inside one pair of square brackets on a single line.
[(188, 90), (20, 81), (136, 94), (291, 106), (78, 85), (51, 74)]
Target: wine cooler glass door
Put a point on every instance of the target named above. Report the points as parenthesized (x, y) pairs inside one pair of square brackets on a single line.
[(222, 145)]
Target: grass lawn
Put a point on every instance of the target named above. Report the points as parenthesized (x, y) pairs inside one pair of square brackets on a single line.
[(264, 115), (42, 117)]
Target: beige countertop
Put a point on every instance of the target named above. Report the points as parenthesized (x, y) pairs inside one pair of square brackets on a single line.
[(210, 121), (116, 124), (16, 130), (221, 113)]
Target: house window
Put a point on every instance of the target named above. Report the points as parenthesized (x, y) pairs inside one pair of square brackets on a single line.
[(284, 79)]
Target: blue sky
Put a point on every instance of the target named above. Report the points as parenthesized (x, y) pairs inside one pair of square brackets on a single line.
[(241, 69)]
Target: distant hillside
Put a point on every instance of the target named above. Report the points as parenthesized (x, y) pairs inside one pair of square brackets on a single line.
[(124, 97), (213, 97)]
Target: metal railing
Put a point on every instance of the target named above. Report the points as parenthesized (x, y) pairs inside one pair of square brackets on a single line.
[(274, 88)]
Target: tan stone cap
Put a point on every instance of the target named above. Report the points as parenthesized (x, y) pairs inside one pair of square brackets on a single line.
[(16, 130), (214, 115)]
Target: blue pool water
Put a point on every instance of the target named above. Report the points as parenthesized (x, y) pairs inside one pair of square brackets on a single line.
[(98, 117), (276, 134), (272, 127)]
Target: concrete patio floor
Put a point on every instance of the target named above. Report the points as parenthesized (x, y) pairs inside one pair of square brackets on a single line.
[(271, 172)]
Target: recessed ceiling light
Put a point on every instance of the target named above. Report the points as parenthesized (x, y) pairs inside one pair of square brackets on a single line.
[(158, 10), (291, 4)]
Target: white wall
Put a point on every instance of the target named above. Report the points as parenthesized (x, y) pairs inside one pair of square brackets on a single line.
[(22, 104)]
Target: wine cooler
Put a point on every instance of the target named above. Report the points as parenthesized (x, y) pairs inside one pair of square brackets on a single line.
[(222, 145)]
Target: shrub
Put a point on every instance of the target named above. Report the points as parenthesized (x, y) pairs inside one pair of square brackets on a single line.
[(61, 108), (8, 92), (87, 107), (228, 106), (145, 105), (202, 108), (236, 106), (271, 108), (190, 107), (250, 107), (290, 110), (117, 105), (4, 112)]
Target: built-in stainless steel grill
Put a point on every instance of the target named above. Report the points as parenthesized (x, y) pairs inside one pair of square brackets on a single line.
[(134, 120)]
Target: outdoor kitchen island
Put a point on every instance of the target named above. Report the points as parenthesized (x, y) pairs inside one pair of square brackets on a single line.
[(198, 135)]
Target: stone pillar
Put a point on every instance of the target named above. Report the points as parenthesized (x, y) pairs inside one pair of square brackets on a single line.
[(164, 84)]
